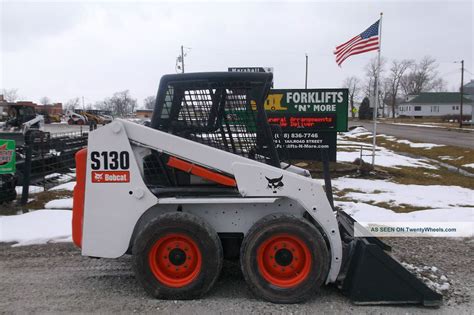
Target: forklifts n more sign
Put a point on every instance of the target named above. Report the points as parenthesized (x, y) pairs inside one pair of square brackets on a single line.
[(309, 120), (315, 109)]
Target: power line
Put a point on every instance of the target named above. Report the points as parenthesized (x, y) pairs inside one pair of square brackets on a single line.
[(468, 71)]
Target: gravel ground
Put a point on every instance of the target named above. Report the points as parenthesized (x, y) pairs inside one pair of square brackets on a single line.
[(55, 278)]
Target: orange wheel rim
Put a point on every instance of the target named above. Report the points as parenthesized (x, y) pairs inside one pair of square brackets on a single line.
[(284, 260), (175, 260)]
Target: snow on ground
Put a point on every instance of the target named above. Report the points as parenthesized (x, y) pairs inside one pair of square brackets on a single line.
[(66, 186), (426, 146), (460, 218), (52, 175), (383, 157), (442, 203), (357, 132), (430, 196), (61, 178), (469, 165), (368, 213), (59, 204), (31, 189), (450, 158), (37, 227)]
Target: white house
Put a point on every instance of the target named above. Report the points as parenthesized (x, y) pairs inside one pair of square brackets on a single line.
[(431, 104)]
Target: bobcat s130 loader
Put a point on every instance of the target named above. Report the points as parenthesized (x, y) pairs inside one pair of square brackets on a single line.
[(204, 182)]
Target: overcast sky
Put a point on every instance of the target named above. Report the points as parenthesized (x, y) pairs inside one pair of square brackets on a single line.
[(93, 49)]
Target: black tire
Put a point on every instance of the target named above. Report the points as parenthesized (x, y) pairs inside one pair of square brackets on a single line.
[(266, 256), (153, 239)]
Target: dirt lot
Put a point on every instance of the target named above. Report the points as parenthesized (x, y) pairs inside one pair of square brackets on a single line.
[(55, 278)]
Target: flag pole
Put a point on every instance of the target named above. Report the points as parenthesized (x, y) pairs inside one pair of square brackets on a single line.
[(376, 105)]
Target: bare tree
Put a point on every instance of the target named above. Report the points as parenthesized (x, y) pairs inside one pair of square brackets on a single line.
[(149, 102), (384, 91), (393, 80), (105, 104), (89, 106), (440, 85), (72, 103), (353, 84), (422, 78), (10, 95), (121, 103), (371, 70), (45, 100)]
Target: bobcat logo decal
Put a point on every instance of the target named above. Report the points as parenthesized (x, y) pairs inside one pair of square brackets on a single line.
[(98, 176), (275, 183)]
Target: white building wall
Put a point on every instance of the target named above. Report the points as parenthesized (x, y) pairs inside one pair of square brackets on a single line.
[(433, 109)]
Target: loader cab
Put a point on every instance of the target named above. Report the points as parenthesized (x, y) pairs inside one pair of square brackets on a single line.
[(223, 110), (18, 114)]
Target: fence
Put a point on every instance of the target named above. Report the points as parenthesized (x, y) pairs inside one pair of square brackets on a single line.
[(46, 160), (43, 160)]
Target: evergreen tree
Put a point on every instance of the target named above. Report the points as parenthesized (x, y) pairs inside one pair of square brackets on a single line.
[(365, 112)]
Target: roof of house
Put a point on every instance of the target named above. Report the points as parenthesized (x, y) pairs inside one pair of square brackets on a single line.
[(469, 89), (470, 84), (438, 98)]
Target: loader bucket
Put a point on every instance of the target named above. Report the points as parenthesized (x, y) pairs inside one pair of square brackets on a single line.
[(372, 276)]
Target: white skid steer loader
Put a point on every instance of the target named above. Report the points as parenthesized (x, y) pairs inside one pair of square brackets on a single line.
[(205, 182)]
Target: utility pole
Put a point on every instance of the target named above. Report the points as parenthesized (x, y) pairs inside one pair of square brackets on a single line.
[(83, 107), (182, 59), (462, 92), (306, 76)]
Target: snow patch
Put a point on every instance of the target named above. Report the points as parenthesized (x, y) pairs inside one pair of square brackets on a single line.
[(450, 158), (426, 146), (31, 189), (471, 165), (363, 212), (356, 132), (430, 196), (38, 227), (61, 178), (66, 186), (59, 204), (384, 157)]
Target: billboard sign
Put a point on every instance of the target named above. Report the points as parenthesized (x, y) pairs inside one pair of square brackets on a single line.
[(7, 156), (309, 110), (308, 145), (309, 120), (250, 69)]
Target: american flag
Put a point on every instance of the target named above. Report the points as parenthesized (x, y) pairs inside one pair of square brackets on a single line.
[(366, 41)]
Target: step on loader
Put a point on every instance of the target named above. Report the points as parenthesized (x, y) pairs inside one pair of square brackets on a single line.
[(204, 182)]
